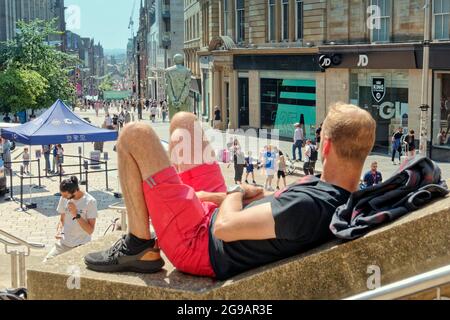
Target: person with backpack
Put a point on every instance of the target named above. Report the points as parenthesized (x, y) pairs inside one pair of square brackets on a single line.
[(311, 156)]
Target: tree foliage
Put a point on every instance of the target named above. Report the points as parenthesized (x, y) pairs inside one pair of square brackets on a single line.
[(21, 89), (31, 50), (107, 84)]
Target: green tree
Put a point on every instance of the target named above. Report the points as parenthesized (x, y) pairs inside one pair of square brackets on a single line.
[(20, 89), (31, 50), (107, 84)]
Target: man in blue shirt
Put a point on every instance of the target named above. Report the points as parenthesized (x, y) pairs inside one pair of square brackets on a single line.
[(373, 177)]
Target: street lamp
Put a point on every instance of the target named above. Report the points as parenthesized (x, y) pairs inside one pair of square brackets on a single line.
[(424, 107)]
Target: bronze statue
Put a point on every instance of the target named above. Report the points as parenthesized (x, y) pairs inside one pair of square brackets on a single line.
[(178, 83)]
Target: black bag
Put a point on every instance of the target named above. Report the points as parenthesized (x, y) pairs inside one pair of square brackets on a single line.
[(13, 146), (314, 154), (16, 294)]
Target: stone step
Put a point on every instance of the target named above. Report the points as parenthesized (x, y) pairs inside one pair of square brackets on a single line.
[(415, 244)]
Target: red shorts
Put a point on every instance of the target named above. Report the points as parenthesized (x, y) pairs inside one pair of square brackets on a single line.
[(180, 219)]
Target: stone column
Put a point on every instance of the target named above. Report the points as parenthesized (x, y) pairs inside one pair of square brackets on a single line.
[(254, 98), (234, 99)]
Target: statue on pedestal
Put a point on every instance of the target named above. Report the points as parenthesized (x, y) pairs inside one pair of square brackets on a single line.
[(178, 84)]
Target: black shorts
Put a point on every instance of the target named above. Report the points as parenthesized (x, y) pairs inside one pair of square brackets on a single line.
[(281, 174)]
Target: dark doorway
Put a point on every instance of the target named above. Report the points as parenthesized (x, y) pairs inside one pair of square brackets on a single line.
[(243, 102)]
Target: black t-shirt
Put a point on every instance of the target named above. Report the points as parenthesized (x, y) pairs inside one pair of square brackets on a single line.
[(302, 216), (318, 133), (217, 115), (398, 136)]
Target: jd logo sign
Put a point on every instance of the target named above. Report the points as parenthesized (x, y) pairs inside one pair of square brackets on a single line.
[(363, 60), (378, 89), (324, 61)]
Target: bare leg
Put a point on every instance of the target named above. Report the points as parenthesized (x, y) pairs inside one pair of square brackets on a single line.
[(189, 146), (135, 165)]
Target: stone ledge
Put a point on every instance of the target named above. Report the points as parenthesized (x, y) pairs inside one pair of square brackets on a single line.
[(417, 243)]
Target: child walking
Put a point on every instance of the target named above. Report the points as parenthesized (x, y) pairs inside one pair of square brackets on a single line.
[(26, 161), (250, 168), (281, 170)]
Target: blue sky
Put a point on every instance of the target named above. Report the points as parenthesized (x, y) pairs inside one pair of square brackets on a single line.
[(104, 20)]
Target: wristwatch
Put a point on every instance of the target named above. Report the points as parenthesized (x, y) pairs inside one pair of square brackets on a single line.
[(235, 189), (77, 217)]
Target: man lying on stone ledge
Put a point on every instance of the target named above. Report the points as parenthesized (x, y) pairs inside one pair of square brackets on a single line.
[(205, 229)]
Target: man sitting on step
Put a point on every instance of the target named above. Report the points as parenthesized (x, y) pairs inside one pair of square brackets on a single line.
[(206, 229)]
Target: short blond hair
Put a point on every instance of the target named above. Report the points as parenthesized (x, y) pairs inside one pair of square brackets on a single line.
[(351, 130)]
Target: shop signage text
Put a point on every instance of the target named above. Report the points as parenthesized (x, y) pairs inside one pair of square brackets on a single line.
[(378, 89), (388, 110)]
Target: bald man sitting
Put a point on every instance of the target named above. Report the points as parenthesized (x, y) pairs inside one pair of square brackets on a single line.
[(208, 230)]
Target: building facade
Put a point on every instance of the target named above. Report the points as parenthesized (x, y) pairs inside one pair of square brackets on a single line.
[(164, 38), (88, 75), (273, 63), (12, 11)]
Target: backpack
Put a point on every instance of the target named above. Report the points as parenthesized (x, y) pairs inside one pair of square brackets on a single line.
[(314, 154)]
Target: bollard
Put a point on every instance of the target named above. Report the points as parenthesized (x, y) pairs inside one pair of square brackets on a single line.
[(81, 168), (60, 173), (21, 187), (39, 172), (86, 168), (106, 175), (11, 184)]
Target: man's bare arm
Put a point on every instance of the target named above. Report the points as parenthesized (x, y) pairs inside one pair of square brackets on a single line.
[(216, 198), (234, 224)]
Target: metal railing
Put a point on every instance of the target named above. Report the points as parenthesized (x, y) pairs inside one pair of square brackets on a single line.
[(408, 287), (18, 267), (120, 208)]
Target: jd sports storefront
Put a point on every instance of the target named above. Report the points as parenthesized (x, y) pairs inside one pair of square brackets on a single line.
[(285, 92)]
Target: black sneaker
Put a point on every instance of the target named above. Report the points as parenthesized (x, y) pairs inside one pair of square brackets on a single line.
[(119, 259)]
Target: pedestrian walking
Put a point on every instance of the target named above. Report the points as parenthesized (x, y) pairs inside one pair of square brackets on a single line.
[(311, 156), (238, 161), (60, 159), (397, 146), (269, 159), (26, 161), (153, 111), (298, 142), (46, 149), (250, 168), (55, 159), (217, 117), (318, 135), (164, 110), (281, 173), (410, 142)]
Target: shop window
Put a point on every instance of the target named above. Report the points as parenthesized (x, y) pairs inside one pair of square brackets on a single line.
[(285, 102), (298, 19), (384, 94), (226, 17), (383, 30), (285, 20), (240, 21), (271, 19), (441, 111), (441, 10)]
